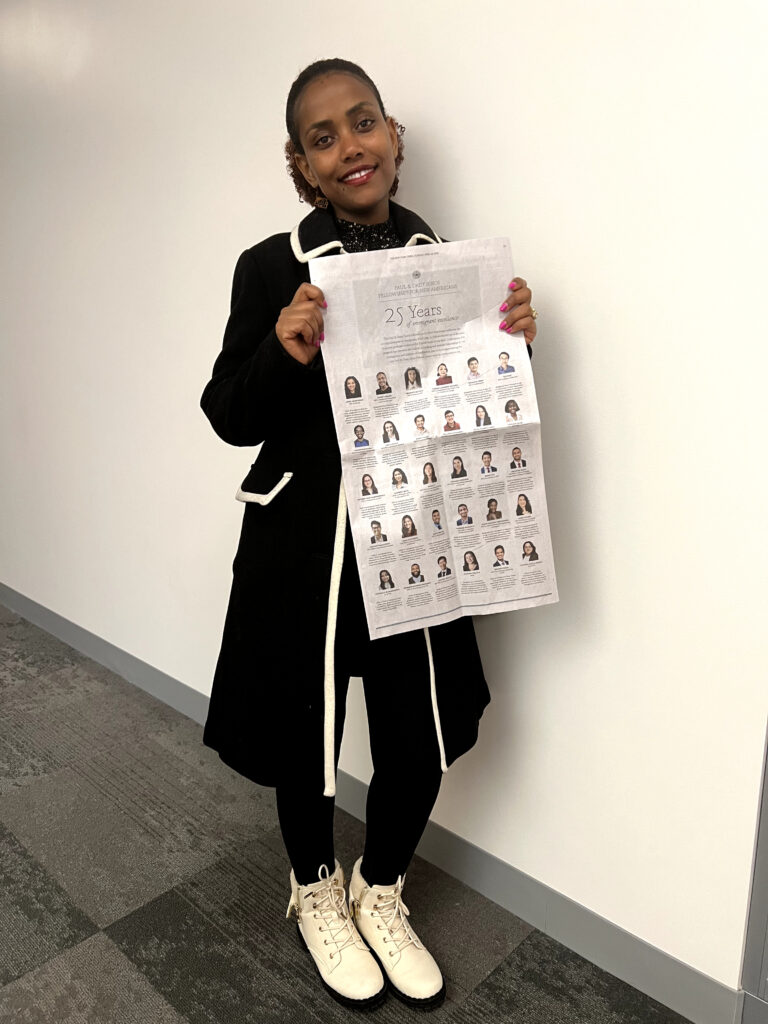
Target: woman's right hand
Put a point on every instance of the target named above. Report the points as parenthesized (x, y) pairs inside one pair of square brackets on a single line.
[(299, 327)]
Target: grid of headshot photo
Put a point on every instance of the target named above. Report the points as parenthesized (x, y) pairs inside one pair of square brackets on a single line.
[(443, 477)]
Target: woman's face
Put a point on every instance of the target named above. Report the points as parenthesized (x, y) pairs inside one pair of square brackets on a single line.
[(349, 147), (384, 576), (351, 385), (521, 501), (428, 471), (368, 481), (398, 476), (480, 412), (407, 523), (457, 464), (492, 505), (527, 547), (390, 428), (411, 376), (442, 370), (470, 560)]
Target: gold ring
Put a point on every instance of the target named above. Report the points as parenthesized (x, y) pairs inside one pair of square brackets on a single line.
[(534, 314)]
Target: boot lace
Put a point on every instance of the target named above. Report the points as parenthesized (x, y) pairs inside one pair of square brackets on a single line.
[(329, 903), (394, 913)]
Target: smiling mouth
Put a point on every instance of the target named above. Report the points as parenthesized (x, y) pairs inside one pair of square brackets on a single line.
[(358, 177)]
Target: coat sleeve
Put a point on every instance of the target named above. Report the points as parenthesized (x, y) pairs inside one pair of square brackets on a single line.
[(253, 374)]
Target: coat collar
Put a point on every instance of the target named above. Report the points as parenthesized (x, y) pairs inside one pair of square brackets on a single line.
[(317, 234)]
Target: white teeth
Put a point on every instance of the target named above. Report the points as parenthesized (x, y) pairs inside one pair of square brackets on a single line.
[(357, 174)]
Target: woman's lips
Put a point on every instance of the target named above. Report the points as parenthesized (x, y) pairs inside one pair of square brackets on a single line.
[(359, 176)]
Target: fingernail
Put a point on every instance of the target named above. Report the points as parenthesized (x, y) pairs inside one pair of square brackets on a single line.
[(503, 307), (503, 325), (325, 304), (322, 337), (510, 330), (512, 285)]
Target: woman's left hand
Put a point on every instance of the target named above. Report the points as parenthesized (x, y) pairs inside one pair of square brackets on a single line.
[(518, 311)]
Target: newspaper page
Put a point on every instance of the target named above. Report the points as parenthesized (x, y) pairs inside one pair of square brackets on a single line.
[(439, 431)]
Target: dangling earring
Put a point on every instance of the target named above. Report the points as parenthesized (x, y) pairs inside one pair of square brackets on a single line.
[(321, 201)]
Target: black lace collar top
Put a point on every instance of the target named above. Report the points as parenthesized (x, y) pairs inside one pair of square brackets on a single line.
[(364, 237)]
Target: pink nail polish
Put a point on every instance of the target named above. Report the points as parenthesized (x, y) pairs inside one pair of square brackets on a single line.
[(503, 307), (512, 285), (322, 337), (325, 304), (503, 325)]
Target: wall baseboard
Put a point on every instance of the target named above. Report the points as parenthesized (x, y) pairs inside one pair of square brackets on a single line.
[(650, 970)]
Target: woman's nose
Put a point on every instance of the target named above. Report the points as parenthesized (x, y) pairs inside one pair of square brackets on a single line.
[(350, 146)]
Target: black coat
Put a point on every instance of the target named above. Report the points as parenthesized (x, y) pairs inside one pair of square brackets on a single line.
[(270, 667)]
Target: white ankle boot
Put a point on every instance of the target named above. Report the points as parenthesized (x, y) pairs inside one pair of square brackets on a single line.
[(346, 967), (382, 919)]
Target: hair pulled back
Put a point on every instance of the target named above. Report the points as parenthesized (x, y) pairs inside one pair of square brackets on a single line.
[(308, 193)]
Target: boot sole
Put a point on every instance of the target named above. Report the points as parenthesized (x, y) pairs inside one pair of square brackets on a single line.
[(360, 1004), (429, 1003)]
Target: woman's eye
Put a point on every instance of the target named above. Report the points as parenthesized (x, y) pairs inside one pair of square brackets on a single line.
[(365, 123), (323, 140)]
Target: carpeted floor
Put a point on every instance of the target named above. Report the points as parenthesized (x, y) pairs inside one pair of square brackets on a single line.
[(143, 881)]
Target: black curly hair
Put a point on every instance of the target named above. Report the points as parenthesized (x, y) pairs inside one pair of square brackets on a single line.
[(308, 193)]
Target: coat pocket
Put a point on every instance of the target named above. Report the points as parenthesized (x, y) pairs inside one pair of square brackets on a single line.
[(264, 499)]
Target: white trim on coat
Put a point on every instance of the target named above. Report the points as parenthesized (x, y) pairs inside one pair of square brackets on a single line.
[(329, 675), (435, 709), (263, 499)]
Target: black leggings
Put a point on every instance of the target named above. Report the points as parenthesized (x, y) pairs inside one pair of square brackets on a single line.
[(404, 749), (397, 811)]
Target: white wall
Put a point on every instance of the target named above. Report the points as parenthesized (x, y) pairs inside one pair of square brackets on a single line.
[(620, 146)]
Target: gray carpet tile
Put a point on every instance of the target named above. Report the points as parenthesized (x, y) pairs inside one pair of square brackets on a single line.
[(90, 983), (37, 917), (99, 840), (124, 825), (208, 977), (59, 707), (543, 982)]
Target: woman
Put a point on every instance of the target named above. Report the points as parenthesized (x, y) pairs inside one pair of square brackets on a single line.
[(409, 527), (523, 506), (470, 562), (389, 432), (482, 419), (458, 468), (369, 487), (512, 412), (430, 476), (493, 512), (337, 127), (442, 375), (352, 388), (385, 581), (412, 379), (529, 552), (399, 479)]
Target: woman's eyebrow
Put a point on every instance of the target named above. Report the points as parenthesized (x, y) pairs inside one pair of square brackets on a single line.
[(349, 113)]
